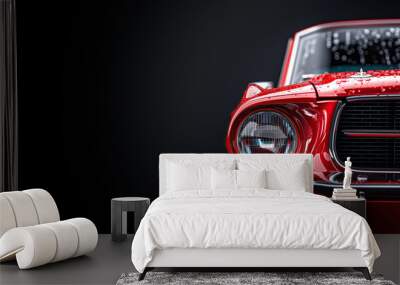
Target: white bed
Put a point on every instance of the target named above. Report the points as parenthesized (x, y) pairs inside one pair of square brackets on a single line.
[(250, 227)]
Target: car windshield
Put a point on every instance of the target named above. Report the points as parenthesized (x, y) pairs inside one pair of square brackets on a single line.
[(347, 49)]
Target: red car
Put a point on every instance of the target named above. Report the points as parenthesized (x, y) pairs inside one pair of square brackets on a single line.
[(338, 96)]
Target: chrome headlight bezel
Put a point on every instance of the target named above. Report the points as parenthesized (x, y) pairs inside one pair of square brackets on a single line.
[(279, 133)]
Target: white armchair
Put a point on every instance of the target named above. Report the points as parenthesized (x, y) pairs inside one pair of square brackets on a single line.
[(31, 230)]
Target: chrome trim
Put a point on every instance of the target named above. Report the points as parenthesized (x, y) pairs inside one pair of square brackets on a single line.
[(358, 186), (333, 177), (332, 138), (373, 97), (264, 84), (333, 25), (361, 74)]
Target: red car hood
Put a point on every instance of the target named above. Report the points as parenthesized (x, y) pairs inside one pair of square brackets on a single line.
[(344, 84)]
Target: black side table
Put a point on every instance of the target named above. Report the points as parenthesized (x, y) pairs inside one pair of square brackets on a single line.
[(357, 205), (119, 209)]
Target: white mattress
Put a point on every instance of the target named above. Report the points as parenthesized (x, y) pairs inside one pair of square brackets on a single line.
[(250, 219)]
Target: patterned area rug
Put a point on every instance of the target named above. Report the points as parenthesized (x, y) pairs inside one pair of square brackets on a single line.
[(273, 278)]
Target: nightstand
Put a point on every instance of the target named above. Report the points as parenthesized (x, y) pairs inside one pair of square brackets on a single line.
[(119, 209), (357, 205)]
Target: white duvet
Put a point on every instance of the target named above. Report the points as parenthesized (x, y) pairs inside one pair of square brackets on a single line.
[(250, 219)]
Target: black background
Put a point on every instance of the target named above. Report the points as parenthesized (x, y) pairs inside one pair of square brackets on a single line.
[(105, 87)]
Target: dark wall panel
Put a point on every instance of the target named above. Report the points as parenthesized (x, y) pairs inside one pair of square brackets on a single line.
[(105, 87)]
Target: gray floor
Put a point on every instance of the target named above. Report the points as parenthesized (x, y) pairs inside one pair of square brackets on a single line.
[(111, 259), (103, 266)]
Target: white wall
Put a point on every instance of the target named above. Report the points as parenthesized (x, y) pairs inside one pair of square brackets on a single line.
[(389, 262)]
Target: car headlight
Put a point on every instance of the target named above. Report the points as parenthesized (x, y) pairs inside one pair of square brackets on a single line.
[(266, 132)]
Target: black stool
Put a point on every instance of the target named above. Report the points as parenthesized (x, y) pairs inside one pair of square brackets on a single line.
[(119, 209)]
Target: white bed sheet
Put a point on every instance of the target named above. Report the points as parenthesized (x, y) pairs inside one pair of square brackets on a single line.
[(250, 218)]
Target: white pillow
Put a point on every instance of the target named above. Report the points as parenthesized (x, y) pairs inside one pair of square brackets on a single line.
[(193, 175), (223, 179), (251, 178), (187, 177), (290, 175), (237, 179)]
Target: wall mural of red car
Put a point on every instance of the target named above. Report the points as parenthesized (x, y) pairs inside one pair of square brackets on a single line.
[(338, 96)]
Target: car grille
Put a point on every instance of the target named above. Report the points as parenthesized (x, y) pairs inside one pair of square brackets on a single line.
[(369, 132)]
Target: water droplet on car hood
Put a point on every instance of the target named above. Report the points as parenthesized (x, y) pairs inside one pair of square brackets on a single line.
[(344, 84)]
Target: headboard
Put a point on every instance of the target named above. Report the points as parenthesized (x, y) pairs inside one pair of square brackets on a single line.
[(165, 157)]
